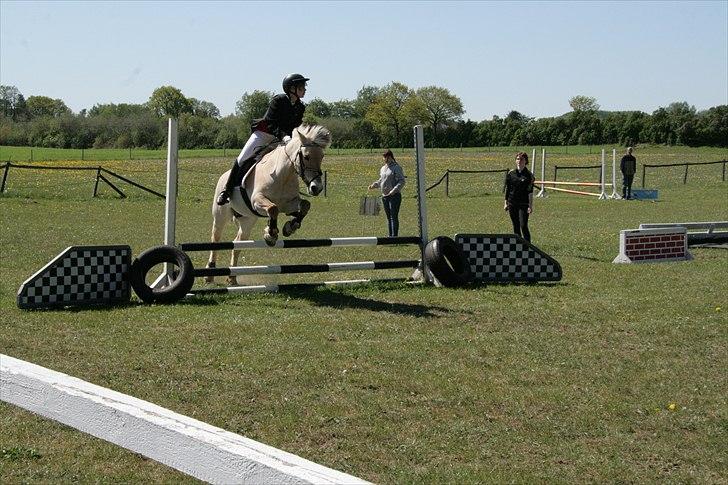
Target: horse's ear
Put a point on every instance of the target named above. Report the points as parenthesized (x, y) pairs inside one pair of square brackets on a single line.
[(301, 137)]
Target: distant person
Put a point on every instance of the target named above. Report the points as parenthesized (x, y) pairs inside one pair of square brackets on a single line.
[(391, 181), (284, 114), (519, 196), (628, 166)]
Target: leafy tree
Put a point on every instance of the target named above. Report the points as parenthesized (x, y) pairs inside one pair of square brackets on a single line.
[(583, 103), (44, 106), (364, 99), (442, 107), (121, 110), (394, 109), (12, 103), (343, 108), (319, 108), (253, 105), (169, 101), (204, 108)]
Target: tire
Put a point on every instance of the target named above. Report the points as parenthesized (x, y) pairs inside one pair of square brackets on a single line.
[(447, 262), (183, 276)]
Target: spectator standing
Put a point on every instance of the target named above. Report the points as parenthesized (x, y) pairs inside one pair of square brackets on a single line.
[(519, 196), (628, 166), (391, 181)]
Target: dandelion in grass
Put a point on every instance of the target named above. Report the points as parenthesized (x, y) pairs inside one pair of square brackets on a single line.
[(671, 406)]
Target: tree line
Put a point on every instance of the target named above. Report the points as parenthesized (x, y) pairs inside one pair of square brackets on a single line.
[(377, 117)]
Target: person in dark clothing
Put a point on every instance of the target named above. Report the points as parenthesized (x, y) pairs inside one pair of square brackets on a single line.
[(284, 114), (628, 166), (519, 196)]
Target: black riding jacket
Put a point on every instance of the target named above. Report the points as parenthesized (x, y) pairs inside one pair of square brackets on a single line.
[(518, 186), (281, 117)]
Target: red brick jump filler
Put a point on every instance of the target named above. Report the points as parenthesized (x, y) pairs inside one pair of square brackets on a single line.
[(653, 245)]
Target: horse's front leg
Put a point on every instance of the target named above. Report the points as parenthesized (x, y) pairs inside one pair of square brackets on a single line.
[(297, 218), (263, 203)]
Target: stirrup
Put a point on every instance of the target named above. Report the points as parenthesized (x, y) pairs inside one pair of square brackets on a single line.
[(223, 198)]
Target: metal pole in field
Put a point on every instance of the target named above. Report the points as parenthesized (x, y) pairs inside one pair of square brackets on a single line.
[(421, 207), (170, 206), (7, 169), (614, 195), (602, 194), (542, 192)]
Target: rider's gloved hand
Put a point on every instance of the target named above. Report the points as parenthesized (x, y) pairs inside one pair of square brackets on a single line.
[(286, 139)]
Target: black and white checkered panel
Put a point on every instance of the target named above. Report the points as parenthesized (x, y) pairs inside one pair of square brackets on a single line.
[(80, 275), (506, 258)]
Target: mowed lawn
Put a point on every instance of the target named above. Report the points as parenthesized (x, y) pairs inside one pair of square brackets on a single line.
[(617, 373)]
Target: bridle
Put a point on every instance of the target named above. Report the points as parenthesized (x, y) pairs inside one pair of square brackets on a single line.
[(301, 168)]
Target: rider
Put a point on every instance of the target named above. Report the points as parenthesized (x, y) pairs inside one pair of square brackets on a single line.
[(285, 112)]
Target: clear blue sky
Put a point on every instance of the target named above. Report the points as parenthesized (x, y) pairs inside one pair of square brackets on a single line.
[(527, 56)]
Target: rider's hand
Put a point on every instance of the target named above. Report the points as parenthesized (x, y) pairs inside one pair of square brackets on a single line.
[(286, 139)]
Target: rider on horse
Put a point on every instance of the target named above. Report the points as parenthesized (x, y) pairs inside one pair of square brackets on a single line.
[(285, 112)]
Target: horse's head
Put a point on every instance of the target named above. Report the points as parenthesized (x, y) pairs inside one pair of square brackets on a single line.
[(312, 141)]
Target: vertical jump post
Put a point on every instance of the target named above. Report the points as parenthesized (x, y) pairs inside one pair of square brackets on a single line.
[(602, 193), (421, 205), (542, 192), (170, 206), (615, 194)]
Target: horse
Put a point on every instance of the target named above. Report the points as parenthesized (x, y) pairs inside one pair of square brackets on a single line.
[(271, 187)]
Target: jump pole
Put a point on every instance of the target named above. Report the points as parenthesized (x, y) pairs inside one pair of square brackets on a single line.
[(170, 206), (419, 139), (602, 193), (615, 194), (542, 192)]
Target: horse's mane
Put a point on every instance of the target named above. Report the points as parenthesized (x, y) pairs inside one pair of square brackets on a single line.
[(316, 134)]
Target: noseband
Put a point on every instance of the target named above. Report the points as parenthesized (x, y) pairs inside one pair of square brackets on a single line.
[(301, 167)]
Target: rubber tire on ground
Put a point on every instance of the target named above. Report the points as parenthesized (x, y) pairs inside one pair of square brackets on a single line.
[(183, 281), (447, 262)]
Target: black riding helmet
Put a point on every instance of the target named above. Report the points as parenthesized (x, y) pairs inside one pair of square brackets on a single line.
[(291, 80)]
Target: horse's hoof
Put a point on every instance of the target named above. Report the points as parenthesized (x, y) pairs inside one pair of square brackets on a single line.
[(290, 227), (270, 240)]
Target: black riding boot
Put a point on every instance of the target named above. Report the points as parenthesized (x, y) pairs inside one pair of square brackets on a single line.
[(234, 179)]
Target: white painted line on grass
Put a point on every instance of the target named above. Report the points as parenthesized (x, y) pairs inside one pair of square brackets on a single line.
[(188, 445)]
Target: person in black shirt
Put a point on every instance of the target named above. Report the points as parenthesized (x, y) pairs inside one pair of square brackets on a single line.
[(284, 114), (628, 166), (519, 196)]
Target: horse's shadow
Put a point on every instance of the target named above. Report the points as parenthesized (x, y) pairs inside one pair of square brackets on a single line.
[(326, 297)]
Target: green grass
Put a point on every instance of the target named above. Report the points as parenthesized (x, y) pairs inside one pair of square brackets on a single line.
[(564, 382)]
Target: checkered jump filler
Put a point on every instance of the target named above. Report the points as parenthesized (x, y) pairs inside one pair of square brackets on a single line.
[(506, 258), (79, 276)]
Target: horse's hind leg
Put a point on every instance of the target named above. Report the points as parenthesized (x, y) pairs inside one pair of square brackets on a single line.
[(292, 226)]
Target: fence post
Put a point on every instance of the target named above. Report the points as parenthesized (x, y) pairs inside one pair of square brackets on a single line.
[(31, 154), (447, 183), (556, 171), (685, 178), (644, 167), (96, 185), (7, 169)]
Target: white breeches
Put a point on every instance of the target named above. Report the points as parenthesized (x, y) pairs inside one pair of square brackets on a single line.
[(257, 139)]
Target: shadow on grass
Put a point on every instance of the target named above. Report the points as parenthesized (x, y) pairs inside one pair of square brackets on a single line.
[(326, 297)]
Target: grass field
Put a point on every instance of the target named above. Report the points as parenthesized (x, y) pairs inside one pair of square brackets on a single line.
[(615, 374)]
